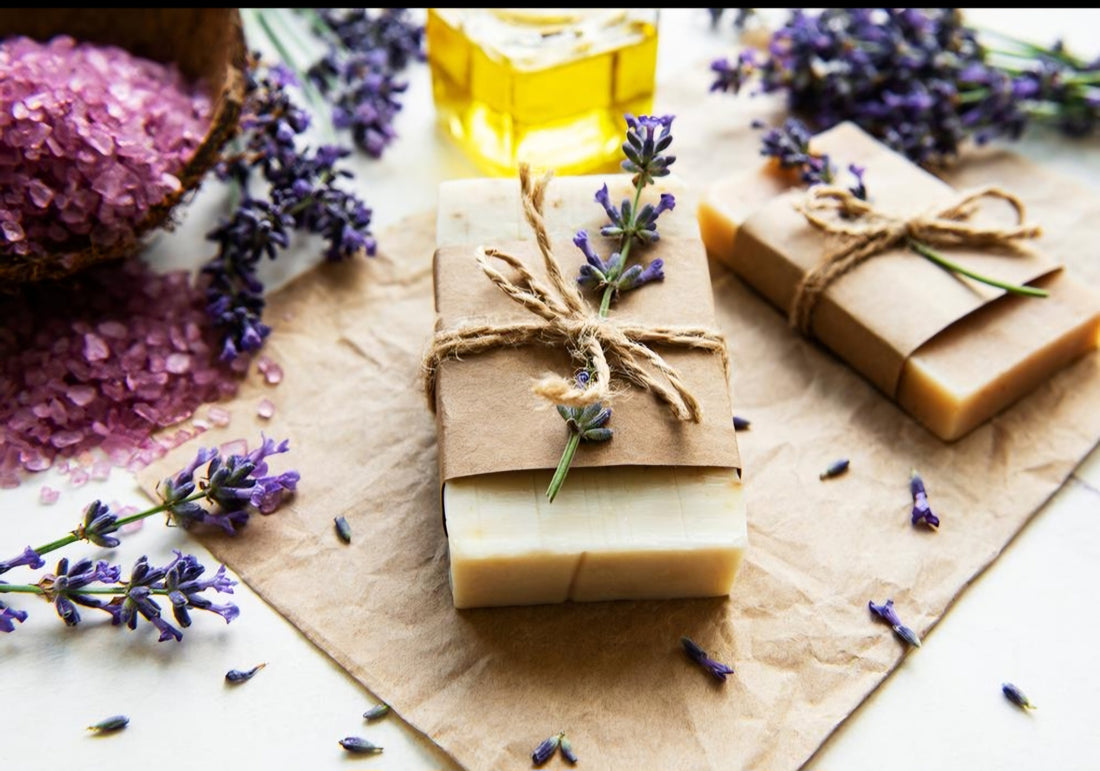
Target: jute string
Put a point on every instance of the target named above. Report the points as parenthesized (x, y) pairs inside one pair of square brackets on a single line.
[(872, 232), (607, 347)]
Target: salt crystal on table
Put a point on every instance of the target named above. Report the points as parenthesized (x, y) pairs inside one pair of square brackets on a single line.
[(101, 470), (218, 416), (274, 374), (78, 478), (48, 495), (265, 409)]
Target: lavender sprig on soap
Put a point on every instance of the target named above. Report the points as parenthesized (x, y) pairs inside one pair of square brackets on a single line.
[(632, 226)]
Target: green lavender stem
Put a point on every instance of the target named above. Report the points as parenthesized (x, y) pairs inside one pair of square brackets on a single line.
[(954, 267), (115, 589), (73, 537), (605, 308)]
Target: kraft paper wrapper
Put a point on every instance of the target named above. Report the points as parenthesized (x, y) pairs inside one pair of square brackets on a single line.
[(881, 312), (488, 685), (493, 389)]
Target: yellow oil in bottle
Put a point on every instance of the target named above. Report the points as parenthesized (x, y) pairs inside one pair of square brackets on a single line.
[(544, 86)]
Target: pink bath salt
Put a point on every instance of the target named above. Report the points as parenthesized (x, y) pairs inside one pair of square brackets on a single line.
[(177, 363), (91, 137), (265, 409), (101, 470), (219, 416), (78, 478), (235, 447), (272, 372), (48, 495)]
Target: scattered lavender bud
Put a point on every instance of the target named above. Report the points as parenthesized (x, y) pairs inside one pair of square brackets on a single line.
[(699, 656), (887, 613), (1016, 696), (113, 723), (922, 512), (740, 424), (546, 749), (239, 676), (834, 469), (359, 746), (567, 749), (376, 712), (343, 529)]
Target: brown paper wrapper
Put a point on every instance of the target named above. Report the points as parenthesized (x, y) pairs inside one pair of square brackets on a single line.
[(489, 420), (877, 315), (488, 685)]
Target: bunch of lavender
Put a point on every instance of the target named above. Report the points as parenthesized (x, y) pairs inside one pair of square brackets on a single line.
[(918, 79), (232, 487), (100, 585), (302, 195), (629, 225), (359, 74)]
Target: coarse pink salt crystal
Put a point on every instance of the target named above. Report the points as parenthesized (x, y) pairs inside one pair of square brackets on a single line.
[(95, 347), (80, 395), (101, 470), (177, 363), (235, 447), (78, 478), (48, 496), (219, 416), (265, 409), (274, 374), (66, 438)]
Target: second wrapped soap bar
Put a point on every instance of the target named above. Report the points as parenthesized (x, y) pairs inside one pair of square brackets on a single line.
[(950, 351), (655, 512)]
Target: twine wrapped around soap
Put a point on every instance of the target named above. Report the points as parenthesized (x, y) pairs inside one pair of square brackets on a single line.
[(608, 346), (872, 232)]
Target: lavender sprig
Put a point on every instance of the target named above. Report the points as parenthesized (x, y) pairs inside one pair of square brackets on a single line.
[(717, 669), (233, 487), (99, 585), (647, 140), (887, 613), (302, 195), (920, 80)]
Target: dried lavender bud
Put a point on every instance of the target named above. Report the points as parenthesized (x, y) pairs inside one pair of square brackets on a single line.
[(546, 749), (741, 424), (887, 613), (377, 711), (699, 656), (359, 746), (922, 512), (834, 469), (240, 676), (567, 749), (343, 529), (113, 723), (1016, 696)]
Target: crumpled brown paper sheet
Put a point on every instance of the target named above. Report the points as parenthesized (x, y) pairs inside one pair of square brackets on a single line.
[(488, 685)]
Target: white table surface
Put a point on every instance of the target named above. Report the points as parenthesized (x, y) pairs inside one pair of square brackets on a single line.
[(1031, 618)]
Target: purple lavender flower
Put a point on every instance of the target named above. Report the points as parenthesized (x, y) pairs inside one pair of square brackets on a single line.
[(63, 587), (636, 276), (922, 511), (29, 558), (644, 147), (789, 145), (546, 749), (917, 79), (887, 613), (1016, 696), (184, 584), (731, 77), (717, 670), (99, 522), (10, 615), (588, 421)]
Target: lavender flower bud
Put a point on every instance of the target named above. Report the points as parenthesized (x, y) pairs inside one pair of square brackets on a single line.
[(29, 558), (10, 615), (546, 749), (922, 511), (376, 712), (235, 676), (717, 670), (114, 723), (358, 746), (567, 750), (887, 613), (1016, 696)]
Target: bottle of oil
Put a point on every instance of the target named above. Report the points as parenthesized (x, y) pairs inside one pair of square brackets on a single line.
[(545, 86)]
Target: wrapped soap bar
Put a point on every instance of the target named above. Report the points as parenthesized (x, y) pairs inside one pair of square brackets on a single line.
[(950, 351), (655, 512)]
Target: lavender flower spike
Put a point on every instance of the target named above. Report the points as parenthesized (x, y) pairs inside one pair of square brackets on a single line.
[(922, 511), (29, 558), (887, 613), (700, 657)]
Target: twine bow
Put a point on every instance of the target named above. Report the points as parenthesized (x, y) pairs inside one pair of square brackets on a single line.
[(872, 232), (607, 346)]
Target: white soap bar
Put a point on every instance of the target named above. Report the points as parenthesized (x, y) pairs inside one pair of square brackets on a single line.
[(612, 533)]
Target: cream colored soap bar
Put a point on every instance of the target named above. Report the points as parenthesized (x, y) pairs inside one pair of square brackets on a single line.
[(612, 533), (980, 365)]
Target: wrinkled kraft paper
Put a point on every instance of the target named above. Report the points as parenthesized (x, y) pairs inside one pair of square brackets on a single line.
[(858, 315), (493, 389), (488, 685)]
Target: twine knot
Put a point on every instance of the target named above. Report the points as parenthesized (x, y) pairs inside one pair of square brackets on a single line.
[(871, 232), (607, 346)]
